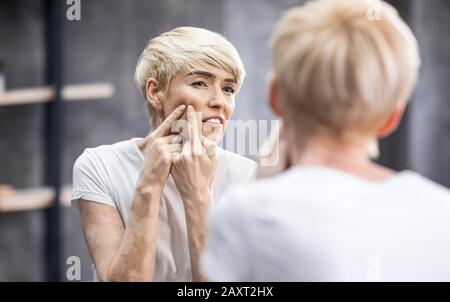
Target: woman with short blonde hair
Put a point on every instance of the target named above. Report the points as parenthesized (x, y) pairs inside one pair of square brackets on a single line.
[(143, 201)]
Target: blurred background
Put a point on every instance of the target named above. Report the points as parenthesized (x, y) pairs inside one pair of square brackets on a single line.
[(92, 61)]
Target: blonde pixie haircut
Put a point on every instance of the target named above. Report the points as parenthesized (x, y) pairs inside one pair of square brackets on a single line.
[(337, 71), (181, 49)]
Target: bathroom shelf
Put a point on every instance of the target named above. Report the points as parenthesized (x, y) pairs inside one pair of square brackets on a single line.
[(27, 199), (44, 94), (54, 97), (33, 199)]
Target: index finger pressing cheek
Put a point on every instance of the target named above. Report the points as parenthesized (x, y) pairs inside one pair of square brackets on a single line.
[(194, 133), (167, 124)]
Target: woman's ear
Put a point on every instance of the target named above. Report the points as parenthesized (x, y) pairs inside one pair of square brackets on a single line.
[(274, 99), (392, 121), (152, 94)]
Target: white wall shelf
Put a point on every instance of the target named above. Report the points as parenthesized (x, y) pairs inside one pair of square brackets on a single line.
[(33, 199), (44, 94)]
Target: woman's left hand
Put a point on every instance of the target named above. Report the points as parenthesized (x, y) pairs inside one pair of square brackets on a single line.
[(193, 172), (194, 168)]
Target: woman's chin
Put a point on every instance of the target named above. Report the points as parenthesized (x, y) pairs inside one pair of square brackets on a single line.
[(215, 136)]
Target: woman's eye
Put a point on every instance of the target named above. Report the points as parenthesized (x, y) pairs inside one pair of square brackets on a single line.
[(229, 90), (199, 83)]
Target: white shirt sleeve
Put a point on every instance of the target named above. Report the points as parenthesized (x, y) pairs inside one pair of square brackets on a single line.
[(226, 253), (90, 180)]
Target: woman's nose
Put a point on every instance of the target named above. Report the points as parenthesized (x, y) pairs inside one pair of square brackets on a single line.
[(217, 99)]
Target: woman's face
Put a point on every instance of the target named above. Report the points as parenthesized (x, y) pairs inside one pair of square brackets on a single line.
[(210, 90)]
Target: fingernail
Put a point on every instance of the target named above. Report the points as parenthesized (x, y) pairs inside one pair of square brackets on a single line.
[(182, 107), (190, 108)]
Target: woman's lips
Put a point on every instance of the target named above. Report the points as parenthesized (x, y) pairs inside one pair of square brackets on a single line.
[(213, 127), (213, 122)]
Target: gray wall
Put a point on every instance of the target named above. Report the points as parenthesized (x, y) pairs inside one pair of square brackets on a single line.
[(104, 45), (429, 123), (21, 49)]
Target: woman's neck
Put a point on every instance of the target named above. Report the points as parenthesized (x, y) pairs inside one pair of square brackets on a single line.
[(351, 158)]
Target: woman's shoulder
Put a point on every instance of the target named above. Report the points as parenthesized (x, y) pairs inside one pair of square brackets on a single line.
[(110, 153)]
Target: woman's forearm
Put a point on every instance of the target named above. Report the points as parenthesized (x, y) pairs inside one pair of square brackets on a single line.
[(135, 260), (196, 215)]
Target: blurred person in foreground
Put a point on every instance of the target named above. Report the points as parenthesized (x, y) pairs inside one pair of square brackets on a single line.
[(143, 201), (328, 213)]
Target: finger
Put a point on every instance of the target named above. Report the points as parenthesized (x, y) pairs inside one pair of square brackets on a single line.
[(173, 148), (187, 146), (194, 137), (175, 156), (177, 139), (170, 139), (158, 121), (179, 126), (167, 124), (167, 140), (209, 146)]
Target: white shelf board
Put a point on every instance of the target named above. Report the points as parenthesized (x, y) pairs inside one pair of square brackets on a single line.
[(74, 92), (27, 199), (17, 200)]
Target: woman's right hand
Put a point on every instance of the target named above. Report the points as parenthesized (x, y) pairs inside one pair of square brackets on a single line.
[(160, 149)]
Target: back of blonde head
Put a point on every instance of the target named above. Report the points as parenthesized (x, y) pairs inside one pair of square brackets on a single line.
[(340, 72)]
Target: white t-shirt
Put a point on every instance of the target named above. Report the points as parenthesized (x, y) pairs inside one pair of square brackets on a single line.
[(319, 224), (108, 174)]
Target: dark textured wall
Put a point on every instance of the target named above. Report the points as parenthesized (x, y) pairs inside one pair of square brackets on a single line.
[(21, 134), (429, 124), (422, 142), (104, 45)]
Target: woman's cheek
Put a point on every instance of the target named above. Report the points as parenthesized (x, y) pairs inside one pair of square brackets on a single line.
[(229, 109), (198, 100)]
